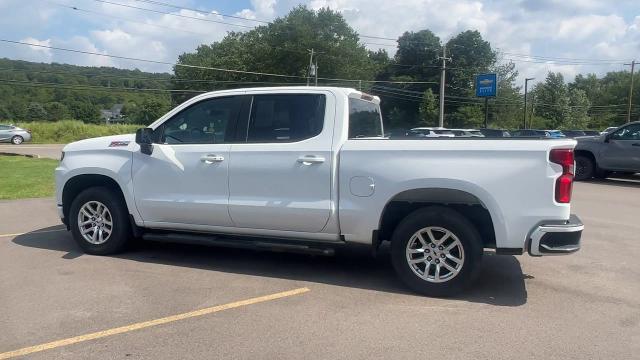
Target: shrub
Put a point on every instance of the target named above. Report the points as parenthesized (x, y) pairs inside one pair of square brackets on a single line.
[(66, 131)]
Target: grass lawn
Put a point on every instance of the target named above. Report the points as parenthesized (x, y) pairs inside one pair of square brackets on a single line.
[(22, 177)]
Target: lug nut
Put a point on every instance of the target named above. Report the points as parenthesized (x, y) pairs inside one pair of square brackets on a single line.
[(433, 246), (427, 250), (442, 256), (437, 261), (429, 258), (440, 248)]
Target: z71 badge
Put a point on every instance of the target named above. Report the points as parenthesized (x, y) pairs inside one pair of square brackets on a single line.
[(119, 143)]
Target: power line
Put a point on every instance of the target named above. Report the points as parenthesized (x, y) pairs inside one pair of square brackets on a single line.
[(200, 11), (174, 14)]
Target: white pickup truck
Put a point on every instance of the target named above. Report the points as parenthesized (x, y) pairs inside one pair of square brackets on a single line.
[(307, 169)]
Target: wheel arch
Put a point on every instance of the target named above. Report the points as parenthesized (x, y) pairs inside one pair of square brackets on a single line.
[(76, 184), (466, 203), (587, 153)]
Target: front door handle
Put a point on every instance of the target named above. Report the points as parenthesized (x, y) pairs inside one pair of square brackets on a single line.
[(211, 158), (310, 159)]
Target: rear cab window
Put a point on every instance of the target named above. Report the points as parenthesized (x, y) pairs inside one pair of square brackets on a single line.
[(364, 119)]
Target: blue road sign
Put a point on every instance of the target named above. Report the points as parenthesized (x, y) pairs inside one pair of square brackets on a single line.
[(486, 85)]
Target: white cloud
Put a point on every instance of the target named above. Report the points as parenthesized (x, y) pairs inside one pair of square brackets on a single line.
[(553, 28)]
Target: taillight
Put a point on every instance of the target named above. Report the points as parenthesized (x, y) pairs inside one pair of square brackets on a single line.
[(564, 158)]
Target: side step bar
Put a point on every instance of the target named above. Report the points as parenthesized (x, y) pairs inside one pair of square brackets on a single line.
[(259, 244)]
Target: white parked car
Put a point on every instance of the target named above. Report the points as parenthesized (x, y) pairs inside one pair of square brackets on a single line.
[(430, 132), (466, 132), (307, 169)]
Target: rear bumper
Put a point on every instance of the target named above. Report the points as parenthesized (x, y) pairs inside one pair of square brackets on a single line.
[(556, 237)]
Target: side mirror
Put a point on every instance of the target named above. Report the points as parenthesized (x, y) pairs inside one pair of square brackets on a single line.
[(607, 137), (144, 138)]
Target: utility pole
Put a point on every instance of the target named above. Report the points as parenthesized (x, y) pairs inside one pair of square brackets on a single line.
[(633, 65), (524, 113), (442, 82), (310, 66), (315, 71)]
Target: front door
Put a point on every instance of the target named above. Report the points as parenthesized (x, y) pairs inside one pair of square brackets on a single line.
[(280, 179), (623, 150), (185, 179)]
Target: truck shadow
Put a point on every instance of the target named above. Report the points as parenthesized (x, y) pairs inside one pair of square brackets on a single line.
[(500, 282)]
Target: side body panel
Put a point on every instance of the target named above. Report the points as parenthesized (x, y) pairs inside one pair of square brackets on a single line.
[(96, 157), (512, 178)]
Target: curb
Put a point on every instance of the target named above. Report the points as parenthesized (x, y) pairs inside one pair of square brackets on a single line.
[(3, 153)]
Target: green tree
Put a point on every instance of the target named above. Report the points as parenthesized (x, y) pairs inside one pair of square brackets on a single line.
[(552, 100), (578, 117), (84, 111), (148, 111), (429, 110), (279, 47), (35, 111), (56, 111)]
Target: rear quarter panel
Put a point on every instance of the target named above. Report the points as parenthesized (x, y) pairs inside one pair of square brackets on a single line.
[(512, 178)]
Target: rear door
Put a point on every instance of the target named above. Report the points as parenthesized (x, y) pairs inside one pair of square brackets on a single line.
[(280, 179), (622, 152)]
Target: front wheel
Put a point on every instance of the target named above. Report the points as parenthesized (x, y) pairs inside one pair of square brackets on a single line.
[(99, 221), (17, 140), (436, 251)]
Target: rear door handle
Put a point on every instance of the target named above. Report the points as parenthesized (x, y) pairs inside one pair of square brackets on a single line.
[(211, 158), (310, 159)]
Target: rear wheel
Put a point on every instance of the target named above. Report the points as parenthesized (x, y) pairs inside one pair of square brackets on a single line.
[(585, 168), (99, 221), (17, 140), (436, 251)]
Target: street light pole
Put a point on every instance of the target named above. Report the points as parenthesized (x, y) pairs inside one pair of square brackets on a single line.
[(633, 65), (524, 113)]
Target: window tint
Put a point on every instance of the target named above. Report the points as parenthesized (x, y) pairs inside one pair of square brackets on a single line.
[(631, 132), (285, 118), (206, 122), (4, 127), (364, 119)]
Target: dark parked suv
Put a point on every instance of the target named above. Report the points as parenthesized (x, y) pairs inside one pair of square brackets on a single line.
[(618, 151)]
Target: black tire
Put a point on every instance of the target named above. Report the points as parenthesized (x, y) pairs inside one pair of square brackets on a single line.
[(585, 168), (17, 140), (602, 174), (121, 227), (449, 219)]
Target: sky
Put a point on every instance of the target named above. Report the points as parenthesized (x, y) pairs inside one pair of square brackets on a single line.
[(567, 36)]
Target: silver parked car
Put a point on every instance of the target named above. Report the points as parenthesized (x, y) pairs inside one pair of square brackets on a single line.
[(14, 134)]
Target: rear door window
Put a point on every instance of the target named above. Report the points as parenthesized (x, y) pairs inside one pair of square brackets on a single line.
[(285, 117)]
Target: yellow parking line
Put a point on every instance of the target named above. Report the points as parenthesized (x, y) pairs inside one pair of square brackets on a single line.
[(35, 232), (146, 324)]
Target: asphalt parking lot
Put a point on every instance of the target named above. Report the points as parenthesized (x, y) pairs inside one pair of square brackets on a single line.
[(56, 302), (51, 151)]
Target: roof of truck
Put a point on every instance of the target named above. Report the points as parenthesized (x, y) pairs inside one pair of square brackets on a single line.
[(347, 91)]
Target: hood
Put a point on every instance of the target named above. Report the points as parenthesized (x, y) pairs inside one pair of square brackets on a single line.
[(589, 139), (123, 142)]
